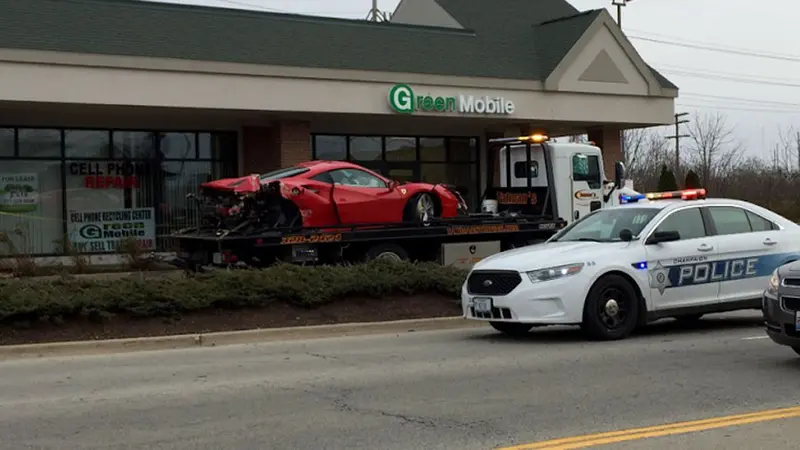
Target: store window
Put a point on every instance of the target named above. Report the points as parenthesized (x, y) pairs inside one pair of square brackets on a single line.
[(366, 148), (108, 184), (87, 143), (134, 144), (31, 205), (331, 148), (39, 143), (7, 142), (401, 149), (178, 145), (432, 149)]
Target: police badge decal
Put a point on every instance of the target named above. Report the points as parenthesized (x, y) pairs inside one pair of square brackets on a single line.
[(659, 278)]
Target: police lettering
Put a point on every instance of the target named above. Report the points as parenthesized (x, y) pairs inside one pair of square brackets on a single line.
[(717, 271)]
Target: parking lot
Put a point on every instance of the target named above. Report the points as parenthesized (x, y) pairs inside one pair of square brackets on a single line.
[(458, 389)]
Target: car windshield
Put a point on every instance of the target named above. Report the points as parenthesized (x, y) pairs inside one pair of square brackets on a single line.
[(605, 225), (283, 173)]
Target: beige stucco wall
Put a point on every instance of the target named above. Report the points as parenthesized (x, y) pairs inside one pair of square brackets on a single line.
[(97, 80)]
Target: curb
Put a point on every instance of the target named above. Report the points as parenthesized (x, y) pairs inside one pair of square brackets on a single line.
[(76, 348)]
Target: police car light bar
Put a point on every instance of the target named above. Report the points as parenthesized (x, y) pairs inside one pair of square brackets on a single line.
[(686, 194)]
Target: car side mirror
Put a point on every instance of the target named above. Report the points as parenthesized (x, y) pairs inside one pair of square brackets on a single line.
[(393, 184), (625, 235), (663, 236), (619, 174)]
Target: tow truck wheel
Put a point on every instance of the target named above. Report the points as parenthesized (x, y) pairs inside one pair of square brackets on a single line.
[(512, 329), (386, 252), (611, 310)]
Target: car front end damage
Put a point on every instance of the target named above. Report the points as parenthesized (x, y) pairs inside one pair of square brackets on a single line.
[(246, 205)]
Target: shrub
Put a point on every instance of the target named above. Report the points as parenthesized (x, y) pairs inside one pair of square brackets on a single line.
[(302, 286), (666, 181)]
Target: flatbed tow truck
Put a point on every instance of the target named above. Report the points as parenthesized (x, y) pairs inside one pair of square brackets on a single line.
[(522, 210)]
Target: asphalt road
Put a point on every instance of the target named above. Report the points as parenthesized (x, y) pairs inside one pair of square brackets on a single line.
[(463, 389)]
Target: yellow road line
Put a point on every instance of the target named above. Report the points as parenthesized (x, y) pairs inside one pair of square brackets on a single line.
[(659, 430)]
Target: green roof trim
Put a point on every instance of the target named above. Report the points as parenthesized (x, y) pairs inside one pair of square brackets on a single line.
[(522, 39)]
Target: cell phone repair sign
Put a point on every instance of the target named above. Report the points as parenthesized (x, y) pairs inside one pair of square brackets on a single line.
[(105, 231)]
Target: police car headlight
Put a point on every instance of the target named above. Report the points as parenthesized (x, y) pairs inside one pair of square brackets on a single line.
[(774, 281), (552, 273)]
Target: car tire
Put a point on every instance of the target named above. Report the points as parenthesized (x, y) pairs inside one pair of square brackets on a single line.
[(386, 252), (796, 350), (512, 329), (611, 310), (421, 208)]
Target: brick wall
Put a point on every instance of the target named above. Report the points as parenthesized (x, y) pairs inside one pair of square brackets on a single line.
[(270, 148)]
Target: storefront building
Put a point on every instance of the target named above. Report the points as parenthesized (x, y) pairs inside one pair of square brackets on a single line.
[(106, 125)]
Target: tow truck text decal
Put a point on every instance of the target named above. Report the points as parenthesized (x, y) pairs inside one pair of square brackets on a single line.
[(475, 229), (516, 198), (311, 238)]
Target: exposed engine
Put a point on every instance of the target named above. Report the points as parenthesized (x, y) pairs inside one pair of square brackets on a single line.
[(246, 212)]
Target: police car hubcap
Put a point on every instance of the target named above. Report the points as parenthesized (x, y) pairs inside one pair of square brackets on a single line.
[(612, 307)]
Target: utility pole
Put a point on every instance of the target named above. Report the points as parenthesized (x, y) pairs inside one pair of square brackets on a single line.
[(677, 138), (620, 4), (374, 13), (798, 150)]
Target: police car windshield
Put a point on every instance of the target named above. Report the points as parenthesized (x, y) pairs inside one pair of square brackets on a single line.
[(605, 225)]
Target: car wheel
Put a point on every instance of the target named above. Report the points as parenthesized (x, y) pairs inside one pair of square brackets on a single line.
[(611, 310), (386, 252), (511, 329), (421, 208)]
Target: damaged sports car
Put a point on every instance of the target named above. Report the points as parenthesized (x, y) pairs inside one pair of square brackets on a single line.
[(320, 194)]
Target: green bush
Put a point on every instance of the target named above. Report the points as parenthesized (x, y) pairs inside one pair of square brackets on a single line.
[(303, 286)]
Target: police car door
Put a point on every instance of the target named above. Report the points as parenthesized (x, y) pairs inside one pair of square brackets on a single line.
[(680, 271), (750, 248)]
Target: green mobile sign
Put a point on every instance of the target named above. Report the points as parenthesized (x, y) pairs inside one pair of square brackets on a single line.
[(403, 100)]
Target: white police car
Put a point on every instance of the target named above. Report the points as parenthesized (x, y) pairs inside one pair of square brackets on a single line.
[(669, 254)]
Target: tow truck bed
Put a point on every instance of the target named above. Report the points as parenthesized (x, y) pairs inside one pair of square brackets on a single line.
[(197, 248)]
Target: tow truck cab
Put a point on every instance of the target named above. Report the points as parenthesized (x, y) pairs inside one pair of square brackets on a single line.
[(578, 181)]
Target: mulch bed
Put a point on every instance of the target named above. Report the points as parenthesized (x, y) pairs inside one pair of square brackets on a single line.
[(276, 316)]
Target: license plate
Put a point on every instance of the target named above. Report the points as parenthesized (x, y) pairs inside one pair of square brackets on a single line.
[(217, 258), (482, 305), (797, 320)]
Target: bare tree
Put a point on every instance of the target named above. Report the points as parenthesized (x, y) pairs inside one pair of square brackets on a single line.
[(646, 151), (713, 149)]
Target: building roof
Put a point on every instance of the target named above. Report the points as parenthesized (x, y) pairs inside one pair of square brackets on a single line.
[(516, 39)]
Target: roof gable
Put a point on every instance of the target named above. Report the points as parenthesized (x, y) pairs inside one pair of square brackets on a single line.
[(513, 39)]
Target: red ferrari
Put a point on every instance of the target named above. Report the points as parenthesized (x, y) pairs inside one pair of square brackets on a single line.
[(327, 193)]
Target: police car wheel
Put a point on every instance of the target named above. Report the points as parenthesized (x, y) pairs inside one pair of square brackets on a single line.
[(611, 310), (511, 329)]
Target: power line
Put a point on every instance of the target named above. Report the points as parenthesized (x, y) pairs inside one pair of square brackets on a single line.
[(735, 79), (718, 49), (735, 108), (741, 99)]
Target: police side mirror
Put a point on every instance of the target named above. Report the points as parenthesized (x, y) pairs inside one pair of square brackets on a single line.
[(626, 235), (663, 236), (619, 174)]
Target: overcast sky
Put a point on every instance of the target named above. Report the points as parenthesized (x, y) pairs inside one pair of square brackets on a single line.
[(757, 94)]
